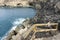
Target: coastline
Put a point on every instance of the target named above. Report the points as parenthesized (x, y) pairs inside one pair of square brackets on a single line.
[(34, 19), (16, 28)]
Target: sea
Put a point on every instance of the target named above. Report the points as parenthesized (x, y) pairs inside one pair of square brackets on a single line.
[(11, 17)]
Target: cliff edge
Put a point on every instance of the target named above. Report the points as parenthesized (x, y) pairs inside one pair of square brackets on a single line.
[(14, 3)]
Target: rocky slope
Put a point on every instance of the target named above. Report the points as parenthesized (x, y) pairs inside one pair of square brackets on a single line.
[(47, 11), (55, 37)]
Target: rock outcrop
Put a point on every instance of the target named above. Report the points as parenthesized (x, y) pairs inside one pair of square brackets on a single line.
[(47, 11), (1, 2), (14, 3)]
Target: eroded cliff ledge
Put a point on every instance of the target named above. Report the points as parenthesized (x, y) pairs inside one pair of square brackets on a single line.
[(14, 3)]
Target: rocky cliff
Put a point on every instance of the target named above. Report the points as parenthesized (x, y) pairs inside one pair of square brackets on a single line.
[(14, 3)]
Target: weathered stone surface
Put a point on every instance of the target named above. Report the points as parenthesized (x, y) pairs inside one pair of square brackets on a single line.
[(58, 5), (46, 11), (14, 3), (17, 3)]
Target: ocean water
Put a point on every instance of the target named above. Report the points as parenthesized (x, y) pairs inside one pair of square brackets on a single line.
[(10, 17)]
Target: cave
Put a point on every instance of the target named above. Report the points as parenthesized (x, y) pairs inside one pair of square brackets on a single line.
[(19, 4), (31, 4)]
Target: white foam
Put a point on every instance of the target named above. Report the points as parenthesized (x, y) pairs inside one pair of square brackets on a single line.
[(15, 23), (18, 21)]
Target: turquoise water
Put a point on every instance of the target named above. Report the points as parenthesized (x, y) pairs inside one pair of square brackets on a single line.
[(8, 15)]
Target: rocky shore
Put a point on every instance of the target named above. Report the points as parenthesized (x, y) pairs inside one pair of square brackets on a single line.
[(17, 33), (47, 11)]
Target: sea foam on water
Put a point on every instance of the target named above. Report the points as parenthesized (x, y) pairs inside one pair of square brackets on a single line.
[(15, 24)]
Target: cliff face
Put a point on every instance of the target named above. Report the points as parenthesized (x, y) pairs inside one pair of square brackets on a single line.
[(1, 2), (14, 3)]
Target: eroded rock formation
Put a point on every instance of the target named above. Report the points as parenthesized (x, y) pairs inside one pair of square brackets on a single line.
[(14, 3)]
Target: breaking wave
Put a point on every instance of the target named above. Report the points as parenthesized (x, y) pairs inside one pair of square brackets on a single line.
[(15, 23)]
